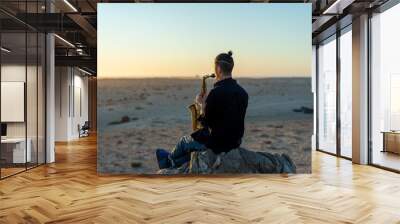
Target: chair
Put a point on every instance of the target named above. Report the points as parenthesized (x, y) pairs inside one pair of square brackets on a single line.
[(84, 130)]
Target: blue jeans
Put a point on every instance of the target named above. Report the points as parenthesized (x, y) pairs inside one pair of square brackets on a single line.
[(181, 153)]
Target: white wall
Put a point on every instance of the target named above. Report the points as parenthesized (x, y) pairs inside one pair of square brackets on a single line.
[(33, 126), (81, 108), (12, 73), (62, 82), (13, 100), (70, 84)]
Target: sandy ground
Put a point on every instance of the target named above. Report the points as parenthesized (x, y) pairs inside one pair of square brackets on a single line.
[(136, 116)]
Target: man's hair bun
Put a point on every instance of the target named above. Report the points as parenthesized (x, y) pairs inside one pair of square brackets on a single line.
[(225, 61)]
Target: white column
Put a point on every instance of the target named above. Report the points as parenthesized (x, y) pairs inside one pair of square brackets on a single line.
[(360, 90), (50, 98)]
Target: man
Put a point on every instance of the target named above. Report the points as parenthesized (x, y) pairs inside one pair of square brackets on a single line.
[(224, 111)]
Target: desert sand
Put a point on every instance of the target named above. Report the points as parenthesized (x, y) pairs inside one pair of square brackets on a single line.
[(137, 116)]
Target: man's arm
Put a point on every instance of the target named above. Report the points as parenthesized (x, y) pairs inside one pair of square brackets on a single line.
[(208, 109)]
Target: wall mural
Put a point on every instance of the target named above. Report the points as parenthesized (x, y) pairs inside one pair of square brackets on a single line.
[(204, 88)]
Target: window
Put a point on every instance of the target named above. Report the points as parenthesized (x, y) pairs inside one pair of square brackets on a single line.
[(346, 93), (385, 89), (22, 88), (327, 95)]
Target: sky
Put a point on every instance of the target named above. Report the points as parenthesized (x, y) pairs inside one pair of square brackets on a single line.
[(182, 40)]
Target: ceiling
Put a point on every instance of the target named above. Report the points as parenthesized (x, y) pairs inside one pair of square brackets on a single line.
[(75, 21)]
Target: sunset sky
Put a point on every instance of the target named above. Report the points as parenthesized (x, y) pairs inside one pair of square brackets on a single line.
[(182, 40)]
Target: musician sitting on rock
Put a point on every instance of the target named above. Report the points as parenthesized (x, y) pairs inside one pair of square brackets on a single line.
[(223, 113)]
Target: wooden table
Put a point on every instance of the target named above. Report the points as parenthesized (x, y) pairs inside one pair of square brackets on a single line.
[(391, 141)]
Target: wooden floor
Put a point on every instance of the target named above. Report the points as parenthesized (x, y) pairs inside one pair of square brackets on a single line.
[(70, 191), (387, 159), (5, 172)]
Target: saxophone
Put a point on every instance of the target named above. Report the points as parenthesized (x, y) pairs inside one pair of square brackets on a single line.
[(194, 108)]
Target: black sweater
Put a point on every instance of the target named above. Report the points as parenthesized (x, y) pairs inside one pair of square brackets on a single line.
[(224, 116)]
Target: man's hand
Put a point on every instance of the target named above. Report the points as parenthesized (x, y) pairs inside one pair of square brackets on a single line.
[(201, 100)]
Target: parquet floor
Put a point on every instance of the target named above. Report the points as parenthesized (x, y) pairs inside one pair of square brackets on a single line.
[(70, 191)]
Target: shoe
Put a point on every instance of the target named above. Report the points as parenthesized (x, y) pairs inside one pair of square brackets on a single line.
[(163, 159), (288, 164)]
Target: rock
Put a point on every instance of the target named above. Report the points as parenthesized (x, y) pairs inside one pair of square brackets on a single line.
[(136, 164), (236, 161), (124, 119), (305, 110), (181, 170)]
